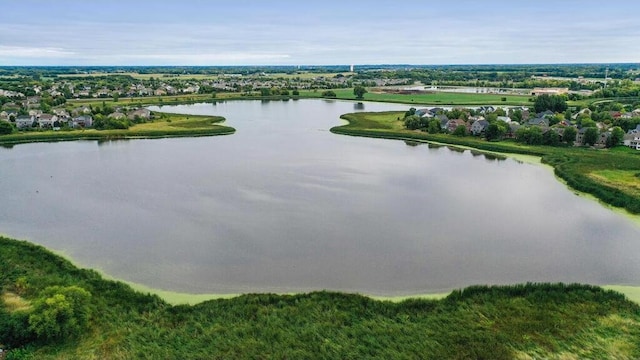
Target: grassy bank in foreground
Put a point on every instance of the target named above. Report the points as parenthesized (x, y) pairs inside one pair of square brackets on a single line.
[(604, 174), (50, 309), (167, 125)]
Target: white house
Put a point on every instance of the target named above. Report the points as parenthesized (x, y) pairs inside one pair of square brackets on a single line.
[(632, 140)]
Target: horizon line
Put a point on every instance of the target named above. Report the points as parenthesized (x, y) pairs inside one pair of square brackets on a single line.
[(332, 65)]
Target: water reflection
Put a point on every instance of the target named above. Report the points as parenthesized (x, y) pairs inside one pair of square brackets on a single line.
[(281, 206)]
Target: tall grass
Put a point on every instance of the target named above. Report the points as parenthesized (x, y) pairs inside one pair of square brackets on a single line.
[(480, 322)]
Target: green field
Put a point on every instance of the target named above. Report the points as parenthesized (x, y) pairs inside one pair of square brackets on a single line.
[(49, 309), (609, 175), (441, 98), (166, 125)]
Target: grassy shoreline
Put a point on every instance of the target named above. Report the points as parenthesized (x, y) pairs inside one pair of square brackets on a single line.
[(168, 125), (574, 166), (497, 322)]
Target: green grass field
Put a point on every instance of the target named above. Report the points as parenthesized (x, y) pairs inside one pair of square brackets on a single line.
[(443, 98)]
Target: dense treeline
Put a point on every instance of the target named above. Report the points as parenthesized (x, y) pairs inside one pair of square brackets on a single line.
[(508, 74), (489, 322)]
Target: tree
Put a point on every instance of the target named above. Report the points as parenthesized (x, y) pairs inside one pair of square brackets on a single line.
[(329, 94), (60, 313), (516, 115), (434, 126), (295, 92), (493, 132), (460, 130), (359, 91), (569, 135), (590, 136), (616, 137), (535, 136), (412, 122), (546, 102), (410, 112), (551, 137), (265, 92), (5, 128)]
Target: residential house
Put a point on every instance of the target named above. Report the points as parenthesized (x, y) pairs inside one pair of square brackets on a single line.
[(453, 124), (615, 114), (117, 115), (85, 110), (35, 112), (142, 113), (513, 127), (8, 114), (191, 89), (479, 127), (83, 121), (538, 121), (62, 114), (632, 140), (545, 114), (32, 102), (443, 120), (104, 92), (486, 109), (24, 121), (504, 118), (603, 138), (46, 120), (634, 131), (600, 139)]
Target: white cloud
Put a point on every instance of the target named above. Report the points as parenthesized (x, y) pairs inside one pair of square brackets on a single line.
[(34, 52)]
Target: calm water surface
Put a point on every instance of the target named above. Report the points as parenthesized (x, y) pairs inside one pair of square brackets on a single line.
[(284, 205)]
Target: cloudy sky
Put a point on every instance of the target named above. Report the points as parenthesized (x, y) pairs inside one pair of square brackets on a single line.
[(310, 32)]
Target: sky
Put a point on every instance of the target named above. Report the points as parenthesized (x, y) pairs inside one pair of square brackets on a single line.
[(310, 32)]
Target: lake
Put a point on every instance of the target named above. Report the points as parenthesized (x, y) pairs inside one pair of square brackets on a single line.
[(284, 205)]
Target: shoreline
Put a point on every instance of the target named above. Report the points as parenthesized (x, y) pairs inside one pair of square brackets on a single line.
[(523, 154), (562, 160), (184, 298), (168, 126)]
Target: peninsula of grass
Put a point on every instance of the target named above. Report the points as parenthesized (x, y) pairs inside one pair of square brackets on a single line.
[(609, 175), (165, 125), (50, 309)]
